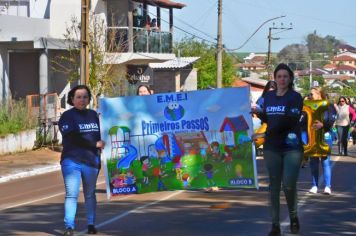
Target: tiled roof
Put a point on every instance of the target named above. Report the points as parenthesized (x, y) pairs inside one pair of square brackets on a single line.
[(347, 47), (175, 63), (252, 65), (344, 58), (249, 80), (258, 58), (239, 83), (329, 66), (238, 123), (344, 67)]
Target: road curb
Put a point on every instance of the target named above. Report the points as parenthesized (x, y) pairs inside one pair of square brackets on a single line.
[(26, 173)]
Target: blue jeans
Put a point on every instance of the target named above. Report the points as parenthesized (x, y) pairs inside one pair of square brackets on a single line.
[(326, 162), (283, 167), (342, 133), (72, 174)]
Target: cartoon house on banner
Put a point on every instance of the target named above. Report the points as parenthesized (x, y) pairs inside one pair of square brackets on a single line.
[(166, 144), (234, 130)]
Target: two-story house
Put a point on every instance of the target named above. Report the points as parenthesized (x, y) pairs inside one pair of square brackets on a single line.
[(254, 62), (31, 37)]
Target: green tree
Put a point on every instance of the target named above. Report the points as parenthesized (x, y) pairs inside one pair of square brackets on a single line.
[(318, 44), (206, 65), (304, 83), (101, 77), (296, 55)]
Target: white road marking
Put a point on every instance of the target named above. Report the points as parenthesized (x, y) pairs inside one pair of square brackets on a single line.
[(133, 211)]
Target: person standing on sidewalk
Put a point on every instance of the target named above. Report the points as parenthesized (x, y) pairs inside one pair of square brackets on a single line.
[(345, 115), (329, 118), (80, 159), (283, 150)]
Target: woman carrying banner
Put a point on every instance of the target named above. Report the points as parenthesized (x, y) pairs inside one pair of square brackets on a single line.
[(80, 159), (329, 117), (283, 150)]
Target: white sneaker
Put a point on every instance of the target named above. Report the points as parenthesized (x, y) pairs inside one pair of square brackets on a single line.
[(327, 191), (314, 189)]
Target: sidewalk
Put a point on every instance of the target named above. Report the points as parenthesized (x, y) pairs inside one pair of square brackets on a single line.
[(44, 160), (28, 163)]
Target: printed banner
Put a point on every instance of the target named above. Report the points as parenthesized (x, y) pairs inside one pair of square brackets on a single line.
[(172, 141)]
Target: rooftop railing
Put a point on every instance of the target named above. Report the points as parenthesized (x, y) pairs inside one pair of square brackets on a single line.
[(144, 41)]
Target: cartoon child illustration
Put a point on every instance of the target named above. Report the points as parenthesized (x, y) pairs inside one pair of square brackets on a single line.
[(159, 174), (228, 159), (177, 167), (162, 158), (202, 149), (215, 150), (130, 178), (208, 171), (185, 178), (118, 180), (145, 161), (238, 170)]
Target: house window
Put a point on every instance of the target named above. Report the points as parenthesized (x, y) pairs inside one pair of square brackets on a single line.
[(229, 138)]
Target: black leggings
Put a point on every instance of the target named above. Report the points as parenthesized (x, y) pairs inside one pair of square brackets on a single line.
[(342, 133)]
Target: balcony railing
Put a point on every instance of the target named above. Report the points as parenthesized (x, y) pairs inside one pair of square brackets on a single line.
[(143, 40)]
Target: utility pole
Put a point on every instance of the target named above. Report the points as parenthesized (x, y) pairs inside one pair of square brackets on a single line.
[(84, 41), (219, 47), (269, 46), (310, 74)]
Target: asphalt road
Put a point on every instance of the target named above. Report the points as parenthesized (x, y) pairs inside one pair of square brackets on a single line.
[(34, 206)]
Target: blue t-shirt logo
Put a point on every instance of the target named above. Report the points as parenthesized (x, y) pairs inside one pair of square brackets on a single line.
[(65, 127), (292, 140)]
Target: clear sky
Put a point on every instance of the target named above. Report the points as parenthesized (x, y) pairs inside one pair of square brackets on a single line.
[(242, 17)]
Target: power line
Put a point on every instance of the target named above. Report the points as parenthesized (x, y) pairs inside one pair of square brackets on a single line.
[(235, 49), (191, 26), (185, 30)]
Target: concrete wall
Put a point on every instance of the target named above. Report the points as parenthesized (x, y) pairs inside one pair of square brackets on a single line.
[(17, 142), (165, 80), (4, 75), (61, 13), (189, 80), (14, 28), (40, 8)]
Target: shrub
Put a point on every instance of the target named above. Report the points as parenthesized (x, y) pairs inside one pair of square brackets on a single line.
[(14, 118)]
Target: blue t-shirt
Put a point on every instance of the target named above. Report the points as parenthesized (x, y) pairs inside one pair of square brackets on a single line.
[(282, 115), (80, 131)]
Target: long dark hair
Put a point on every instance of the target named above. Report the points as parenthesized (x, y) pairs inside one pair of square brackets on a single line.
[(142, 85), (270, 84), (72, 93), (283, 66), (342, 97)]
